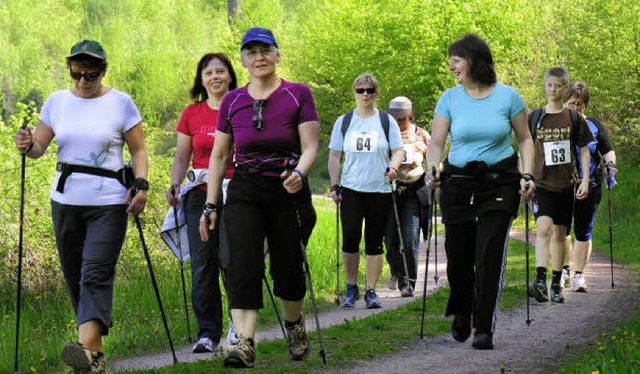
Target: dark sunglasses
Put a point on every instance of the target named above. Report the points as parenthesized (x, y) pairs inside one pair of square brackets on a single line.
[(370, 91), (88, 76), (257, 116)]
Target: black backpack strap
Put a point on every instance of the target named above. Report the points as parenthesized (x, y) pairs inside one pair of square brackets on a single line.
[(575, 119), (536, 121), (346, 122), (384, 120)]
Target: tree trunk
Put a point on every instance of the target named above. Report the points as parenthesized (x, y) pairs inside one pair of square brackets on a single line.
[(233, 9)]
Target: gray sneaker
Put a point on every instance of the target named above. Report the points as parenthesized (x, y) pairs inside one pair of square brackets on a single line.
[(538, 290), (241, 355), (556, 294), (406, 291), (298, 340), (392, 283)]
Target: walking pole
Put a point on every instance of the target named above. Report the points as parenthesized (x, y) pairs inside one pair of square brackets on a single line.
[(307, 272), (435, 237), (394, 188), (153, 280), (184, 287), (337, 300), (275, 308), (20, 242), (426, 270), (609, 186), (526, 250)]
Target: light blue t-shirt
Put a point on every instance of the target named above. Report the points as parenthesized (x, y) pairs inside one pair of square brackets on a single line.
[(366, 152), (480, 128)]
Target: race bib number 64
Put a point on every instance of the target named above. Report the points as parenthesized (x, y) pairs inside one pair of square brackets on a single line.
[(363, 141), (557, 153)]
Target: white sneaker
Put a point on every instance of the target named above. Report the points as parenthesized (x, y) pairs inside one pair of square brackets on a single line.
[(232, 336), (579, 283), (565, 280), (203, 345)]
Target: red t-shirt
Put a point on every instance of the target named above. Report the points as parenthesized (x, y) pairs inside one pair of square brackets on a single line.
[(199, 122)]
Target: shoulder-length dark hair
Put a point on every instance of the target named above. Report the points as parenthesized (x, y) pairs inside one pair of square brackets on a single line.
[(197, 92), (476, 51)]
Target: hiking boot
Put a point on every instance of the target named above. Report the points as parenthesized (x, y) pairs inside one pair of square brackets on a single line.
[(371, 300), (556, 294), (461, 327), (579, 283), (241, 355), (232, 336), (406, 291), (99, 364), (204, 345), (352, 296), (392, 282), (538, 290), (482, 340), (565, 279), (77, 357), (298, 340)]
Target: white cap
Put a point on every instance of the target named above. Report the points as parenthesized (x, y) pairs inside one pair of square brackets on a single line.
[(400, 102)]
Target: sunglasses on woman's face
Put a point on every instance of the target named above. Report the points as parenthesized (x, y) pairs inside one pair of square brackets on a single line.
[(88, 76), (370, 91), (257, 116)]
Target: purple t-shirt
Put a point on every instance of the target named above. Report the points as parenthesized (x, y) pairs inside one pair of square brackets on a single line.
[(265, 151)]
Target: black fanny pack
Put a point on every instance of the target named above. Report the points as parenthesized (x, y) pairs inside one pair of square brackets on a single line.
[(125, 175)]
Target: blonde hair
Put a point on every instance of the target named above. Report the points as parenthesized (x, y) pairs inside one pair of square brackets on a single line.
[(366, 78)]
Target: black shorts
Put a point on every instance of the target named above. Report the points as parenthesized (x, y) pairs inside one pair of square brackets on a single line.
[(555, 204)]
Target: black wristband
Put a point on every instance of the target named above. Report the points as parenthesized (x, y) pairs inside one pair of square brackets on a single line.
[(141, 184), (528, 177), (611, 164), (335, 188)]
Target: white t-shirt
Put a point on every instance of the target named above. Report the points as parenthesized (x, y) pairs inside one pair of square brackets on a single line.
[(366, 152), (90, 132)]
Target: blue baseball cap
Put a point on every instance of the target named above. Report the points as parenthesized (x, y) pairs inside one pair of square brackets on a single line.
[(258, 34)]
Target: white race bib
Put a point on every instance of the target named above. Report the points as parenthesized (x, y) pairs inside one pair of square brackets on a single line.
[(557, 153), (408, 154), (363, 141)]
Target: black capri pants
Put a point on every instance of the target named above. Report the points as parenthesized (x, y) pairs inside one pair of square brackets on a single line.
[(373, 208), (259, 207)]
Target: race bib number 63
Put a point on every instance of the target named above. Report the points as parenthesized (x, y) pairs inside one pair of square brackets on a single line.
[(363, 141), (557, 153)]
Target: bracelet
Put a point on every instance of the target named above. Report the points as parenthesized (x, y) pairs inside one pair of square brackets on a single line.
[(609, 164), (335, 188), (528, 177), (303, 176), (174, 187)]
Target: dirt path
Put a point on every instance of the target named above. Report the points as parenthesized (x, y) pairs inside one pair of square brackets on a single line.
[(556, 331)]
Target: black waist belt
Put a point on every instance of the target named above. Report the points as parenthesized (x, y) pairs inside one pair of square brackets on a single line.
[(125, 175)]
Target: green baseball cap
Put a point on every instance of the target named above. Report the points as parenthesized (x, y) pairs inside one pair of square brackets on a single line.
[(88, 47)]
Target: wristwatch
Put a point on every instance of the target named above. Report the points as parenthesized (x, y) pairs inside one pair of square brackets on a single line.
[(210, 208), (303, 176)]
